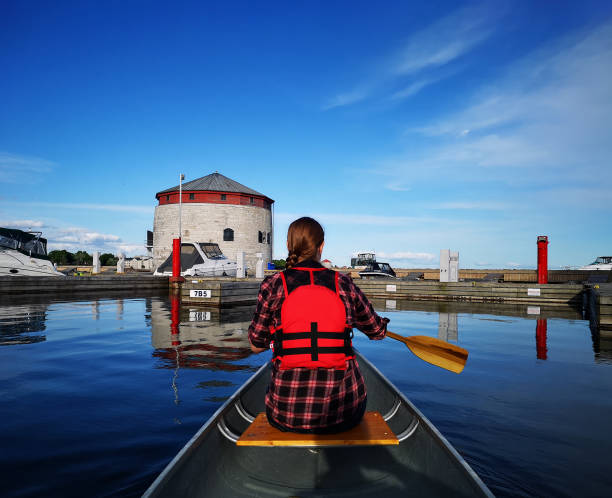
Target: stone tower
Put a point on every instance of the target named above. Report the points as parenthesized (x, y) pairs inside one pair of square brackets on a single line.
[(214, 209)]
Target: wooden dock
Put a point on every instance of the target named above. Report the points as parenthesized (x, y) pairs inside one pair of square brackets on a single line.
[(600, 305), (136, 282), (493, 292), (220, 291)]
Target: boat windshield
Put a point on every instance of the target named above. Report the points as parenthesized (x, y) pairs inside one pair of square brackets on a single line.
[(189, 257), (363, 259), (211, 251), (8, 242), (602, 260), (28, 242)]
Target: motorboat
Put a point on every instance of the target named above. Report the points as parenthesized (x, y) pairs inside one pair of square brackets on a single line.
[(25, 254), (378, 270), (362, 260), (601, 263), (420, 463), (200, 259)]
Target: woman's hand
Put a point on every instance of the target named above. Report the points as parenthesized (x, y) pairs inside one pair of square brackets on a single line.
[(257, 350)]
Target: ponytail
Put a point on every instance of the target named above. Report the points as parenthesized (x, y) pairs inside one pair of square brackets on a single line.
[(304, 237)]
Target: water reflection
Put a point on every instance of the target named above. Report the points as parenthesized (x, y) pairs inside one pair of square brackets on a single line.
[(195, 337), (602, 346), (22, 324), (448, 329), (541, 346)]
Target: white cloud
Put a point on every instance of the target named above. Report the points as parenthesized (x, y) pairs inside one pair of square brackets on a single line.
[(411, 89), (76, 238), (346, 99), (23, 224), (546, 120), (472, 205), (407, 255), (354, 219), (444, 41), (425, 54), (16, 168), (89, 206)]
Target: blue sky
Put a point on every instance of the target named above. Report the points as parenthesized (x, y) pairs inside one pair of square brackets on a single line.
[(405, 127)]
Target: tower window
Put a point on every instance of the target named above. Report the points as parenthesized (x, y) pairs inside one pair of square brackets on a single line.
[(191, 197), (260, 237), (228, 235), (268, 237), (223, 197)]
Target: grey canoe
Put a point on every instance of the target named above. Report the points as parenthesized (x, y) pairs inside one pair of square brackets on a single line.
[(423, 464)]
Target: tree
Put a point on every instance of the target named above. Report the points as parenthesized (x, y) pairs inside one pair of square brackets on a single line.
[(279, 263), (107, 259), (83, 258), (62, 257)]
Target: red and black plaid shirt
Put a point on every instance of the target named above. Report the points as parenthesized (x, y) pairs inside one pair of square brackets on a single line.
[(306, 398)]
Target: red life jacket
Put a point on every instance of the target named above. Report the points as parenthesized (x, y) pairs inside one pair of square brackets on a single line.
[(313, 331)]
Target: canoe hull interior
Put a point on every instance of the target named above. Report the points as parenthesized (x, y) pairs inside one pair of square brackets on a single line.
[(424, 464)]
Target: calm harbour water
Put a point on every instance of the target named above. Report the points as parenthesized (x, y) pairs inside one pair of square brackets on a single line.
[(96, 396)]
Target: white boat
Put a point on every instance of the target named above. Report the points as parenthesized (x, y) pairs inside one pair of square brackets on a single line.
[(25, 254), (601, 263), (362, 260), (200, 259), (377, 269)]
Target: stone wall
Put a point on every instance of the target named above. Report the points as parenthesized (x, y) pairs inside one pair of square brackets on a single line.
[(206, 222)]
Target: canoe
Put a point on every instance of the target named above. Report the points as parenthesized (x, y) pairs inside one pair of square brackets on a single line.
[(422, 464)]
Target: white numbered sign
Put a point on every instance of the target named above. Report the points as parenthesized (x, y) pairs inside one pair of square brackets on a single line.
[(199, 316), (199, 292)]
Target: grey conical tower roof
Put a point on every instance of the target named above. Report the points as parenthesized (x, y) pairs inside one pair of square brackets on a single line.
[(214, 182)]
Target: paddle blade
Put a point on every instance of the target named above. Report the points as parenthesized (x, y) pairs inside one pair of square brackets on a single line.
[(435, 351)]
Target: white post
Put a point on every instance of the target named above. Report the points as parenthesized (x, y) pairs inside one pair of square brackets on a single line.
[(453, 267), (259, 266), (444, 265), (96, 262), (240, 270), (121, 263)]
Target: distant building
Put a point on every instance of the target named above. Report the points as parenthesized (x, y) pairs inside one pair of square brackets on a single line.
[(215, 209), (140, 263)]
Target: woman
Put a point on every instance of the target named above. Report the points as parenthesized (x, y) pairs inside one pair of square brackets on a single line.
[(307, 313)]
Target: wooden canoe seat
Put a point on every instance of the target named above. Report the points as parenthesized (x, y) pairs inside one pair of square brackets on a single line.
[(373, 430)]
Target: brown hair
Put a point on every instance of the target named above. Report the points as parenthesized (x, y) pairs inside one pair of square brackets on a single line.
[(304, 237)]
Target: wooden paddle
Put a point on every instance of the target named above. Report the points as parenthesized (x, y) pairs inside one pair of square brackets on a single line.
[(435, 351)]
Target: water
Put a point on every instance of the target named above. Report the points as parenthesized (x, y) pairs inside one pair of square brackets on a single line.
[(96, 396)]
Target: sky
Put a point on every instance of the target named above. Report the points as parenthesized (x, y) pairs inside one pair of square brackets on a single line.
[(403, 127)]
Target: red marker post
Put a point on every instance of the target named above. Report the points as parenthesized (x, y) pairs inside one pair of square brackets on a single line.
[(176, 261), (542, 259)]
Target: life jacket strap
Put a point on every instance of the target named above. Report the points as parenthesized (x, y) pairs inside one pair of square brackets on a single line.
[(314, 335), (278, 342), (348, 344), (314, 345)]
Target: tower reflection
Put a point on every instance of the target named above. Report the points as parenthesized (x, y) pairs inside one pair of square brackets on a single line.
[(209, 338)]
